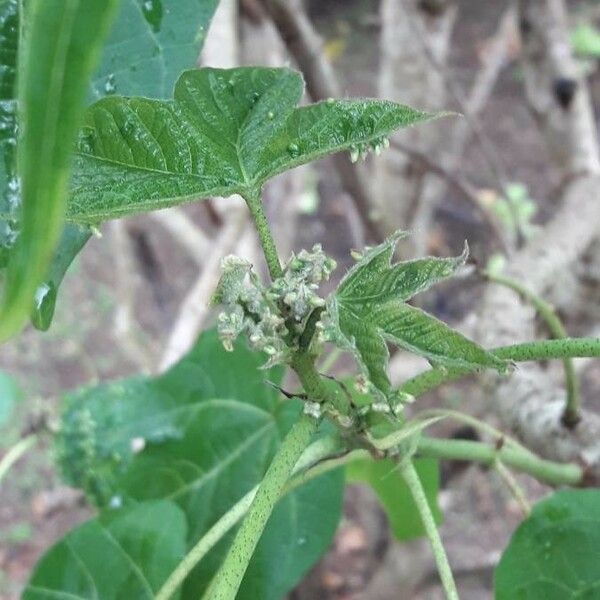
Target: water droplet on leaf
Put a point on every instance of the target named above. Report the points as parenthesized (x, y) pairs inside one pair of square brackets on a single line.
[(109, 85)]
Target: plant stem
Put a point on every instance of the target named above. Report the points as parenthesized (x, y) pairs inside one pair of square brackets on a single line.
[(543, 470), (413, 482), (513, 485), (316, 452), (13, 455), (538, 350), (557, 331), (265, 238), (229, 577)]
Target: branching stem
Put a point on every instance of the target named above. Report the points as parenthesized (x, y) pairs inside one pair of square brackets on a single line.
[(229, 577), (557, 331), (538, 350)]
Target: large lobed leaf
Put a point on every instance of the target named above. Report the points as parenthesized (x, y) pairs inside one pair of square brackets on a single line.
[(122, 554), (209, 428), (226, 131), (554, 554), (369, 309)]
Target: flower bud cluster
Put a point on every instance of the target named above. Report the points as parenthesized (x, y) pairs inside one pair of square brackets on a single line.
[(264, 313)]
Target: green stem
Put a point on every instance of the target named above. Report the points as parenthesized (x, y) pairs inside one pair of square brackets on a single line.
[(318, 451), (543, 470), (418, 493), (229, 577), (557, 331), (267, 242), (538, 350), (13, 455)]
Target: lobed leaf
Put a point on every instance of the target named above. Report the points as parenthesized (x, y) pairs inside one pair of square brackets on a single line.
[(369, 310), (225, 132), (554, 553), (126, 553)]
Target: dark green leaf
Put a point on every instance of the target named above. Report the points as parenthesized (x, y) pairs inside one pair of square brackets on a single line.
[(123, 554), (554, 553), (9, 187), (225, 132), (208, 428), (62, 43), (394, 495), (368, 310), (150, 44), (10, 394)]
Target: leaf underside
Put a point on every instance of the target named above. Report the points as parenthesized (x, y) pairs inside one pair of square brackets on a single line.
[(369, 310)]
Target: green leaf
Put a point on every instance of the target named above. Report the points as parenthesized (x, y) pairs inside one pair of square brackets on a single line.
[(226, 131), (9, 186), (554, 553), (208, 428), (10, 394), (126, 553), (62, 43), (369, 309), (73, 238), (150, 44), (394, 495)]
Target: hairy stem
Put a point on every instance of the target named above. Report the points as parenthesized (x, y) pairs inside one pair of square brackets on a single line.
[(546, 471), (538, 350), (413, 482), (229, 577), (557, 331), (318, 451), (265, 238)]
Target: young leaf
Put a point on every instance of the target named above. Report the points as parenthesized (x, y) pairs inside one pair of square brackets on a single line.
[(554, 553), (394, 495), (369, 309), (63, 40), (127, 553), (202, 438), (227, 131)]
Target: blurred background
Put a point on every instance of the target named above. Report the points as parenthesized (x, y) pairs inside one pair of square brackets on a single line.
[(525, 80)]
